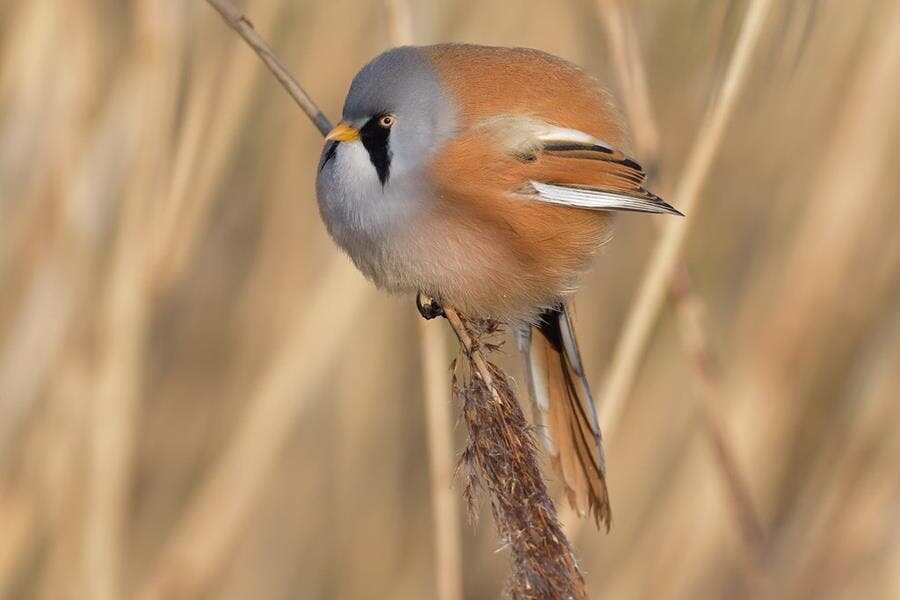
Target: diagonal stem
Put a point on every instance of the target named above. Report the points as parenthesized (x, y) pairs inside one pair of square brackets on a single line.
[(242, 25), (665, 259), (629, 69)]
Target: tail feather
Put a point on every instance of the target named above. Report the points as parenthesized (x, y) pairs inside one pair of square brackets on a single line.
[(571, 433)]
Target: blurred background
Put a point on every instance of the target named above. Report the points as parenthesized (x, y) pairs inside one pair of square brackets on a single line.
[(200, 398)]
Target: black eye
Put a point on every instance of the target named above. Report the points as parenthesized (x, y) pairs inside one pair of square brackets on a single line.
[(387, 121)]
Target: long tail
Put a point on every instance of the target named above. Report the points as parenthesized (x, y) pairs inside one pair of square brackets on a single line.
[(560, 391)]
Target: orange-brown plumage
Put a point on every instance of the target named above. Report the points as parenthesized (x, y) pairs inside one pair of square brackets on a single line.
[(546, 246), (529, 253), (489, 81)]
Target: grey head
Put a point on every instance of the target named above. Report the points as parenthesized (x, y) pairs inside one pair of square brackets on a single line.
[(371, 172)]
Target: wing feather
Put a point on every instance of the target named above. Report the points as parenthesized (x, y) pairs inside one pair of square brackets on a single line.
[(622, 177), (602, 199)]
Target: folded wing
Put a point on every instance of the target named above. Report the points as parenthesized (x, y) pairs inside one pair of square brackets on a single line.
[(572, 168)]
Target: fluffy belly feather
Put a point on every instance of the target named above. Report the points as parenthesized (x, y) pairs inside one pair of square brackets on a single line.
[(475, 268)]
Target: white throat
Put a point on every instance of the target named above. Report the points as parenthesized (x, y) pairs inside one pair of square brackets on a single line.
[(366, 218), (352, 198)]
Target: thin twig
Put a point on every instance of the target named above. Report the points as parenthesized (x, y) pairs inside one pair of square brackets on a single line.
[(472, 351), (242, 25)]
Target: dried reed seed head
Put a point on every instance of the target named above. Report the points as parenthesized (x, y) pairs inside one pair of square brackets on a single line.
[(500, 457)]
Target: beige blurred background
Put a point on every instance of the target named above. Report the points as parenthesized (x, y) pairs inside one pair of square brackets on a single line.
[(200, 398)]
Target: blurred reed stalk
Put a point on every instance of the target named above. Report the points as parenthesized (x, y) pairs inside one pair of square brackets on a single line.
[(628, 66), (435, 361), (213, 117), (707, 392), (123, 327), (58, 278), (213, 516), (445, 515), (18, 536), (664, 266), (846, 209), (687, 195), (621, 40)]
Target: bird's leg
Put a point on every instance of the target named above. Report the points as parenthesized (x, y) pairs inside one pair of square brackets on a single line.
[(428, 307)]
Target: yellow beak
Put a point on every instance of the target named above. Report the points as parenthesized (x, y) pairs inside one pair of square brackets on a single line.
[(343, 133)]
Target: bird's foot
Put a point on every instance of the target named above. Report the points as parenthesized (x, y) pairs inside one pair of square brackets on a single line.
[(428, 307)]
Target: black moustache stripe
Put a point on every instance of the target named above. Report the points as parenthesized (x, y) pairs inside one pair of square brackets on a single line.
[(330, 153), (375, 140)]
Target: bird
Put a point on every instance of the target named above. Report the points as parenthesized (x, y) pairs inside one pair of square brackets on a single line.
[(486, 178)]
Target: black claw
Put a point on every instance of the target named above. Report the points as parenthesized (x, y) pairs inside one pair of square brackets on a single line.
[(428, 307)]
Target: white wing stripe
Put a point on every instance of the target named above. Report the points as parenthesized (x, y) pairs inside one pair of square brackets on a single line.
[(597, 199)]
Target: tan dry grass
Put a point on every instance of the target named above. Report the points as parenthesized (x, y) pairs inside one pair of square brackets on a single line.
[(689, 307), (794, 253)]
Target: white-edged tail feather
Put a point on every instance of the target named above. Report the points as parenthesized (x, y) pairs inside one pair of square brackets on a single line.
[(570, 430)]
